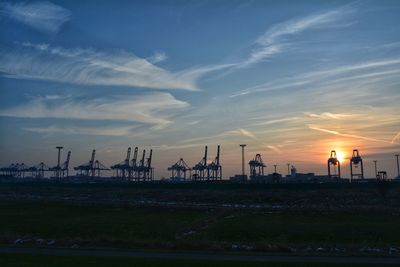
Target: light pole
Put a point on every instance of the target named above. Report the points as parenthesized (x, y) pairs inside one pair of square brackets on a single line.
[(398, 168), (243, 177), (275, 167), (376, 169), (288, 169), (58, 161)]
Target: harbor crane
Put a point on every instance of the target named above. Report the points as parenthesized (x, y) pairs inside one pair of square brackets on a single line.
[(92, 168), (179, 170), (214, 169), (256, 167), (200, 169), (123, 168), (333, 163), (356, 162)]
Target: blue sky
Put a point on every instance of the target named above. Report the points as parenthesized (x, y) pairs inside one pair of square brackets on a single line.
[(291, 79)]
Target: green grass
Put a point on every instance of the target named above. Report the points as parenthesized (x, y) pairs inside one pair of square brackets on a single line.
[(27, 260), (93, 222), (125, 226), (307, 228)]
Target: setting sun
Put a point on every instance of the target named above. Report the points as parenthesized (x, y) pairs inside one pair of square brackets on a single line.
[(340, 155)]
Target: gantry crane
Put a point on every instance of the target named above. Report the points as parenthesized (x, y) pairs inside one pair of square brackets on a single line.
[(87, 169), (214, 169), (355, 163), (179, 170), (122, 169), (200, 169), (256, 167), (333, 163)]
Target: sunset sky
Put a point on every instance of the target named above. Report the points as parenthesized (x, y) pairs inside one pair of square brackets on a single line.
[(291, 79)]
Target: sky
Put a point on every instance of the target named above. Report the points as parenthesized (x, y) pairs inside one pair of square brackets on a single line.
[(290, 79)]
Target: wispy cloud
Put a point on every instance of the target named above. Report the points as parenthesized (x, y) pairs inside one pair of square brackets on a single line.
[(157, 57), (150, 108), (91, 67), (312, 127), (102, 130), (268, 122), (380, 68), (275, 39), (329, 115), (42, 16), (395, 138), (274, 148), (172, 147)]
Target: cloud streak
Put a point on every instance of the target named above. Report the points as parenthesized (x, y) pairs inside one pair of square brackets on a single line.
[(42, 16), (275, 39), (150, 108), (346, 135), (99, 131), (91, 67), (330, 76)]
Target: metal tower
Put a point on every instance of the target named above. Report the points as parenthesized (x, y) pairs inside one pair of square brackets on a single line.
[(214, 169), (243, 171), (87, 169), (256, 167), (334, 163), (58, 173), (122, 169), (200, 168), (355, 163), (179, 170)]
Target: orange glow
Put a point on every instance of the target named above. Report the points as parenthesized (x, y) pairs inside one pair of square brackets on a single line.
[(340, 155)]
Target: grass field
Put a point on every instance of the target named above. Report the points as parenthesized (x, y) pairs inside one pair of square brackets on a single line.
[(126, 226), (17, 260), (225, 217)]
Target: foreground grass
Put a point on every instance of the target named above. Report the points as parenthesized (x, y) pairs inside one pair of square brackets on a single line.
[(137, 227), (27, 260)]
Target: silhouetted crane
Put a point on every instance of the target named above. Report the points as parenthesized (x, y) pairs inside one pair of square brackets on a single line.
[(214, 169), (335, 164), (179, 170), (200, 168)]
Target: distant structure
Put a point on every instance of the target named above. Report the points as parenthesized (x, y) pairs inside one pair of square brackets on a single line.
[(376, 168), (244, 177), (144, 171), (356, 162), (256, 167), (200, 169), (61, 171), (179, 171), (208, 172), (333, 163), (381, 176), (214, 169), (38, 171), (92, 168), (398, 165), (58, 167), (123, 169), (134, 166), (15, 170), (132, 170)]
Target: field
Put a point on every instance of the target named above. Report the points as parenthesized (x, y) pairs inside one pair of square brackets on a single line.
[(342, 220)]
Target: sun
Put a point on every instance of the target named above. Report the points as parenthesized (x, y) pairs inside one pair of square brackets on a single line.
[(340, 155)]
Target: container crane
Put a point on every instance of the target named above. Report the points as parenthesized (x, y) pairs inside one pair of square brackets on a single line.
[(333, 163), (256, 167), (214, 169), (200, 168), (179, 170), (355, 163)]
